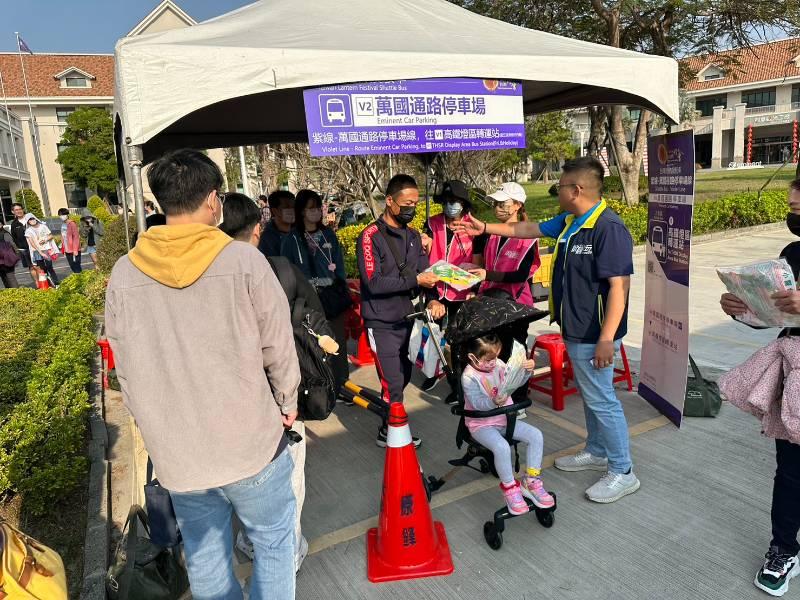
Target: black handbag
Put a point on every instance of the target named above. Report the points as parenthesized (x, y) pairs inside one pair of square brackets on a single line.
[(702, 396), (164, 530), (140, 570)]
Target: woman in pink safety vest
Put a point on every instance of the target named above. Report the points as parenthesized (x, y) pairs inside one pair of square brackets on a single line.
[(508, 264), (442, 243)]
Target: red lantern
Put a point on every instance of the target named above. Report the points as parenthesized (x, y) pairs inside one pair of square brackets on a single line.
[(749, 143)]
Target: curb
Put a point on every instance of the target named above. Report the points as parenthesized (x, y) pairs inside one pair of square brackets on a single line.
[(98, 522)]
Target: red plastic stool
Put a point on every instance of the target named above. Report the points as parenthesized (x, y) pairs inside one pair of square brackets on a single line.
[(624, 374), (560, 371)]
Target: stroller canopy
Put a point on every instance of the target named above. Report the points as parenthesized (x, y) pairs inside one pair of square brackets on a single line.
[(483, 315)]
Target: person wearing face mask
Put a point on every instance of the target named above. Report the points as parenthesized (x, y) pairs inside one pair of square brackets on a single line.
[(391, 264), (315, 250), (591, 268), (508, 264), (481, 381), (782, 561), (42, 248), (70, 241), (282, 218), (92, 231), (442, 243), (208, 315)]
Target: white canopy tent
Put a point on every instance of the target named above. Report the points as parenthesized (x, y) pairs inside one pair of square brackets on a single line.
[(238, 79)]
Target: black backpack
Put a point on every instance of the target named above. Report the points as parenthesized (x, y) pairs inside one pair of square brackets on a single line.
[(316, 395)]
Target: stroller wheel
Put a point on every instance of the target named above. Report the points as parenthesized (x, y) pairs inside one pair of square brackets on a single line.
[(484, 466), (493, 537), (545, 517)]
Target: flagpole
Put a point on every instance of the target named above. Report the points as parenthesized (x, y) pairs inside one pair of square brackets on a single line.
[(13, 143), (34, 132)]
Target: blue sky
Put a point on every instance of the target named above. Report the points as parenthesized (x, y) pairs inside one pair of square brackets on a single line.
[(87, 26)]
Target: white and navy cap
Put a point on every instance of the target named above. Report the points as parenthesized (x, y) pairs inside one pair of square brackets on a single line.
[(509, 191)]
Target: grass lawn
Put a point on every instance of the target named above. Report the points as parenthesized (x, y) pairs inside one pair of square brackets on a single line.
[(709, 185)]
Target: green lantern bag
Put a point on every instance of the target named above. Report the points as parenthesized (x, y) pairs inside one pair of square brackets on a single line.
[(702, 396)]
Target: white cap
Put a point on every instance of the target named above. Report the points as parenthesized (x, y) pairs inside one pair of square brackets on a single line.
[(509, 191)]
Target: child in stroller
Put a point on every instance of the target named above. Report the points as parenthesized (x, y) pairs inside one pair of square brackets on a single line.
[(481, 383)]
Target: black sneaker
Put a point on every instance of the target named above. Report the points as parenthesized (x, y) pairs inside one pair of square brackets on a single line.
[(380, 441), (429, 384), (778, 569), (451, 399)]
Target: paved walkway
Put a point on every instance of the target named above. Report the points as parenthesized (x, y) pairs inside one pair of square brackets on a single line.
[(697, 528)]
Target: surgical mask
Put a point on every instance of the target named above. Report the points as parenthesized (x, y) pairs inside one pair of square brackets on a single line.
[(406, 214), (287, 214), (63, 217), (487, 366), (452, 209), (793, 223), (503, 211), (313, 215)]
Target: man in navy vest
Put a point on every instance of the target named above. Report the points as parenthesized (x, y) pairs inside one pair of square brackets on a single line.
[(592, 265)]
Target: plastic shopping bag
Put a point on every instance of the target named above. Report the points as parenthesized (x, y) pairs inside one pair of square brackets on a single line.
[(423, 340)]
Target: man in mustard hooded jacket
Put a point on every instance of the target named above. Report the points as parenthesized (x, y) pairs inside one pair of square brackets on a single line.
[(201, 333)]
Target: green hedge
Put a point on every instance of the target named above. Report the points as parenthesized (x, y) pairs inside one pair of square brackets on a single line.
[(613, 183), (43, 430), (728, 212)]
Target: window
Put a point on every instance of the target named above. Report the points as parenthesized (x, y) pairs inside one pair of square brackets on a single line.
[(706, 104), (762, 97), (795, 94), (76, 82), (712, 76), (63, 112), (634, 113)]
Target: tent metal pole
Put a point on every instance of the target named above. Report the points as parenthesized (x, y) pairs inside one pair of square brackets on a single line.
[(122, 197), (135, 157), (243, 171)]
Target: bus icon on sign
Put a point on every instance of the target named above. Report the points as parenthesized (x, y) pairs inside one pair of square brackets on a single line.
[(335, 110)]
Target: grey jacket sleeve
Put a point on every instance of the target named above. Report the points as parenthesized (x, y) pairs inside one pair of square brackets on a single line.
[(277, 340)]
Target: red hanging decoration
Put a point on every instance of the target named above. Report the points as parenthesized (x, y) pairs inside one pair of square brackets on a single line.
[(749, 143), (794, 141)]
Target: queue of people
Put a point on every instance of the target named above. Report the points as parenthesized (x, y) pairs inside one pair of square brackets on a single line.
[(205, 262)]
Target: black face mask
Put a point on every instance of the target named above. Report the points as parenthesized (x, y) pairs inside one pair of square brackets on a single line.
[(793, 223), (406, 214)]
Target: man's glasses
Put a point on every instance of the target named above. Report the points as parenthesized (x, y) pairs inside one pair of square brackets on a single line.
[(558, 186)]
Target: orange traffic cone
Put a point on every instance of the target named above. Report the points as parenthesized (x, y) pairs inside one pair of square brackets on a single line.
[(407, 544), (363, 356), (42, 282)]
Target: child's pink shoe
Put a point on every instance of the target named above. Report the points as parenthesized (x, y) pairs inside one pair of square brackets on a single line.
[(533, 488), (513, 494)]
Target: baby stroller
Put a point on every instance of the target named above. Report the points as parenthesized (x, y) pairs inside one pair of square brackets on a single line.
[(478, 317)]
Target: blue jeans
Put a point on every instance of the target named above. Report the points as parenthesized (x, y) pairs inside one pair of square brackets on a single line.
[(606, 426), (265, 504)]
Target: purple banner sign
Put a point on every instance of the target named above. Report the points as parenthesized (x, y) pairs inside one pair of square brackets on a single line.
[(415, 115), (665, 347)]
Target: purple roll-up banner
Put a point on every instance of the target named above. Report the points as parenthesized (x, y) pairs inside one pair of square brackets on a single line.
[(665, 343), (415, 115)]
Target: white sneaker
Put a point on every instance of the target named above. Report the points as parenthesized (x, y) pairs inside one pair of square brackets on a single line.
[(612, 487), (302, 552), (521, 414), (582, 461)]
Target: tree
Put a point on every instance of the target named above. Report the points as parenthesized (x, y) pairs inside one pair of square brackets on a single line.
[(550, 139), (88, 156), (664, 27)]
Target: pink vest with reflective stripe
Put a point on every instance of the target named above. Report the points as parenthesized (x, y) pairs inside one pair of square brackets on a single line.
[(460, 252), (508, 259)]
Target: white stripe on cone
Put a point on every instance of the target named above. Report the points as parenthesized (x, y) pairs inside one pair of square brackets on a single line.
[(398, 436)]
